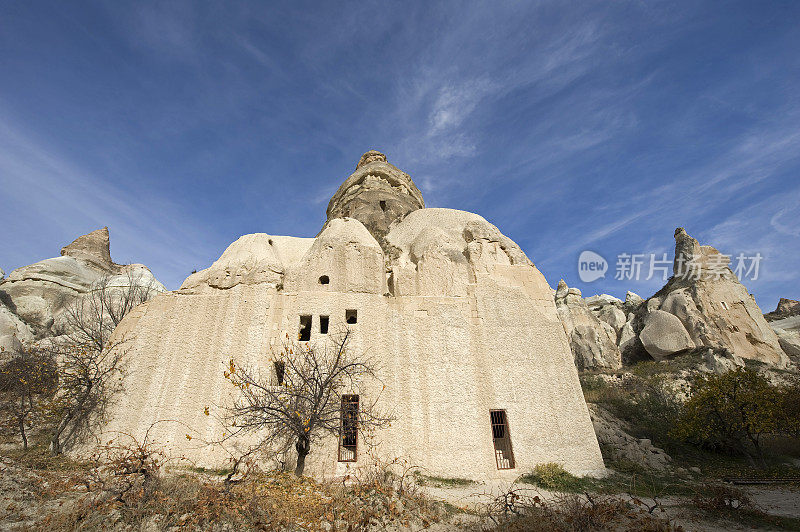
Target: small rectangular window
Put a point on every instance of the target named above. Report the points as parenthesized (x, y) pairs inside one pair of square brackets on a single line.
[(305, 329), (348, 432), (724, 305), (323, 324), (280, 371), (502, 439), (351, 316)]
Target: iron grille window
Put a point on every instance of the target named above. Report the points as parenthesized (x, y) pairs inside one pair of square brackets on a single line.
[(348, 433), (502, 439)]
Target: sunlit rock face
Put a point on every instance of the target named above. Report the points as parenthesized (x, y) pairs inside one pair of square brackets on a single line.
[(37, 295), (703, 305), (593, 341), (715, 308), (457, 319), (377, 194)]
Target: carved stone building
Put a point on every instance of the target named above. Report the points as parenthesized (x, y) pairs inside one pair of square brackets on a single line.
[(476, 366)]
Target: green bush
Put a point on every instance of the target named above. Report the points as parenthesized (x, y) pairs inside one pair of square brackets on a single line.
[(734, 411), (553, 477)]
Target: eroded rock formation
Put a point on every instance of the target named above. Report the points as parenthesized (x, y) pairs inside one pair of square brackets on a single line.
[(377, 194), (33, 298), (785, 322), (593, 341), (457, 319), (702, 305), (786, 308), (716, 310)]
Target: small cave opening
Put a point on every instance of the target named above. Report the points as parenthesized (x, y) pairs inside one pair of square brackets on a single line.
[(324, 279), (382, 203), (305, 329), (351, 316)]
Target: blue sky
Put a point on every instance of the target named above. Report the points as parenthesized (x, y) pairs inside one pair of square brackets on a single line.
[(570, 125)]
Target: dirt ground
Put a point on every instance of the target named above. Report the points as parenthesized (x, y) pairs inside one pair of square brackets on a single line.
[(783, 501), (22, 503)]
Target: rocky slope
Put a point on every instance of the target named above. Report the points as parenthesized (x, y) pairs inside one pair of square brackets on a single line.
[(33, 298), (703, 305)]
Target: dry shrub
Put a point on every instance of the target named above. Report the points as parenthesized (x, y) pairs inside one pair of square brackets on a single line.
[(718, 498), (386, 493), (128, 491), (516, 511)]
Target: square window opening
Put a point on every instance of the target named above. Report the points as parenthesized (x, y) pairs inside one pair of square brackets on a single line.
[(348, 431), (503, 453), (305, 329), (323, 324), (351, 316)]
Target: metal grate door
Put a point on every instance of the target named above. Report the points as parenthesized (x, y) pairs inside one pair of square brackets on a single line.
[(348, 432), (502, 439)]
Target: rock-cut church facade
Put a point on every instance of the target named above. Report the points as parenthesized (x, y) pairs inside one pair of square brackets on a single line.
[(473, 363)]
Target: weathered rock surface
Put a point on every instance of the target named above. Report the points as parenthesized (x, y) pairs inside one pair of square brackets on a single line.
[(593, 344), (632, 299), (451, 305), (377, 194), (664, 335), (93, 248), (13, 331), (252, 259), (714, 307), (34, 296), (602, 300), (613, 316), (616, 442)]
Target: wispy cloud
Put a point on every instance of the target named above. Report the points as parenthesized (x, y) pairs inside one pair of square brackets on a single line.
[(50, 200)]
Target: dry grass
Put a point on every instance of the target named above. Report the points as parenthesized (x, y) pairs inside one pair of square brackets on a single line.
[(127, 490)]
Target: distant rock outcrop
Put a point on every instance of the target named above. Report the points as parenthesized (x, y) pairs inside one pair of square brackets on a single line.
[(788, 332), (702, 305), (786, 308), (32, 298), (593, 341), (714, 307)]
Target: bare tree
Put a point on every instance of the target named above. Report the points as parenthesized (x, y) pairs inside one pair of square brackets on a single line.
[(90, 362), (88, 380), (29, 375), (91, 319), (302, 401)]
